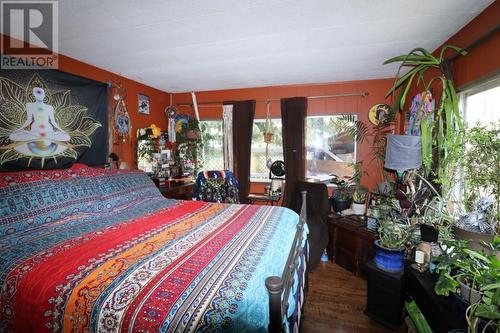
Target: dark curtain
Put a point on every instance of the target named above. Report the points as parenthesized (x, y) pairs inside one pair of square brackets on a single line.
[(293, 115), (243, 114)]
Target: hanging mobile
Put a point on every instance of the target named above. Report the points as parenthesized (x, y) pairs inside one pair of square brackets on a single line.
[(171, 112), (122, 123)]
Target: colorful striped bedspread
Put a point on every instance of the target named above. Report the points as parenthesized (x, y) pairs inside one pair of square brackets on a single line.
[(93, 250)]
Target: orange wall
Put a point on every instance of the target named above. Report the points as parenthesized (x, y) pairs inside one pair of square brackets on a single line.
[(157, 98), (376, 89), (158, 101), (484, 59)]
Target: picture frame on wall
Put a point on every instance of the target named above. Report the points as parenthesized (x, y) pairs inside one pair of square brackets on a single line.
[(143, 104)]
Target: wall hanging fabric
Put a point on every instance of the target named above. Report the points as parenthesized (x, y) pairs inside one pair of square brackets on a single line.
[(50, 119)]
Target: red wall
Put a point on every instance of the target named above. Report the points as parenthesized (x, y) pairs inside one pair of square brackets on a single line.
[(484, 59), (158, 101), (376, 89)]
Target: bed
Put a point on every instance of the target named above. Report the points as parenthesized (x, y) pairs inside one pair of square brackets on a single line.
[(94, 250)]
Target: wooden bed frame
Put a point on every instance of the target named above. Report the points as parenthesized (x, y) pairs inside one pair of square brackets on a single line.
[(279, 287)]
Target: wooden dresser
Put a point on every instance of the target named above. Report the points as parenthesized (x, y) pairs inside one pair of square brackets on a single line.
[(350, 243), (178, 191)]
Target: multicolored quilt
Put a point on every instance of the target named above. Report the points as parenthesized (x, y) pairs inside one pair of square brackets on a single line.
[(94, 250)]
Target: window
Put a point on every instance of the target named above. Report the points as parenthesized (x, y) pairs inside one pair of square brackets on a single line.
[(482, 105), (212, 144), (478, 176), (328, 150), (258, 163)]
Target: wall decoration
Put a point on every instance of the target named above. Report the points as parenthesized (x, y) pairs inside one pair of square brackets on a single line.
[(378, 113), (180, 120), (50, 119), (143, 104), (121, 118)]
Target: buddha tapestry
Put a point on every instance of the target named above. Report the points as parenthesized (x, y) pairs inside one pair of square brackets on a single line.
[(50, 119)]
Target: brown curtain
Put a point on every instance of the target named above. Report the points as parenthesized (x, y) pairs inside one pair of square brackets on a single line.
[(243, 114), (293, 117)]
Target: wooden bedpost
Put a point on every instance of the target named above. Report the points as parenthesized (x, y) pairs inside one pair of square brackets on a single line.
[(279, 288)]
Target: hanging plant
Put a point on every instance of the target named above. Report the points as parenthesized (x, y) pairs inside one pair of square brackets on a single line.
[(441, 129), (268, 130)]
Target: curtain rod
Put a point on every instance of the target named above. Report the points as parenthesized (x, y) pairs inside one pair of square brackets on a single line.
[(476, 42), (219, 103)]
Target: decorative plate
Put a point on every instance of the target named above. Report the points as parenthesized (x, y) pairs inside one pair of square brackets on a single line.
[(378, 113)]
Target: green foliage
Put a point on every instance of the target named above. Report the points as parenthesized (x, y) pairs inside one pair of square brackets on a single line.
[(394, 235), (348, 124), (476, 269), (481, 164), (359, 195), (442, 129)]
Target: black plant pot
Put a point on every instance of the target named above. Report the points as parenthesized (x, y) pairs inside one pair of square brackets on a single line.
[(428, 233), (339, 205)]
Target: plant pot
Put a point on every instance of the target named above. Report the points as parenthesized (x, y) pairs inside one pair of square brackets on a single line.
[(468, 294), (192, 134), (428, 233), (474, 238), (268, 137), (339, 205), (389, 260), (358, 208)]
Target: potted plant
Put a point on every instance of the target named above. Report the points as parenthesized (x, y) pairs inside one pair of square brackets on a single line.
[(390, 248), (359, 201), (477, 277), (441, 129), (342, 196), (481, 184), (192, 129)]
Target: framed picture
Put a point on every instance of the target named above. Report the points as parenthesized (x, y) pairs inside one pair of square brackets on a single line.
[(143, 104)]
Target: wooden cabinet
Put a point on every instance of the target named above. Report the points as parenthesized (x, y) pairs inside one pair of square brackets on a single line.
[(350, 243), (178, 191)]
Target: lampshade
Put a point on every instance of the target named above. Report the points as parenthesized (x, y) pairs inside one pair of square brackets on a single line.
[(403, 152)]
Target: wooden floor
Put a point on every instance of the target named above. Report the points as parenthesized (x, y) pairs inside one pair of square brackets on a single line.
[(335, 302)]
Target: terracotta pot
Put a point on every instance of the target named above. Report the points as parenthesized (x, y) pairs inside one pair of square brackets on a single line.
[(268, 137), (474, 238), (192, 134)]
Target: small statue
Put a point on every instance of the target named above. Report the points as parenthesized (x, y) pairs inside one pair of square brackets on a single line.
[(481, 220)]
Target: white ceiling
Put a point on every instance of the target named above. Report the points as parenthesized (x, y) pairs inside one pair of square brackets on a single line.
[(179, 46)]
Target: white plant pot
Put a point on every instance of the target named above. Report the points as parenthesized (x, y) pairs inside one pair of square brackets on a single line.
[(358, 209)]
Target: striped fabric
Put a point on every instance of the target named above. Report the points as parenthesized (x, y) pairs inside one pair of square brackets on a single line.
[(93, 250)]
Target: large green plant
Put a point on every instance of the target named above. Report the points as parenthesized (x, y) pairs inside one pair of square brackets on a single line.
[(476, 269), (481, 164), (441, 130)]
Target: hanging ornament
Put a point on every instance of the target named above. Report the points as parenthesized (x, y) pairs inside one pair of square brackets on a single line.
[(121, 119), (171, 112)]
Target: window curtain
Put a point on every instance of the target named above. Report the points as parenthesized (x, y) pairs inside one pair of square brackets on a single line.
[(243, 114), (293, 117), (227, 130)]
